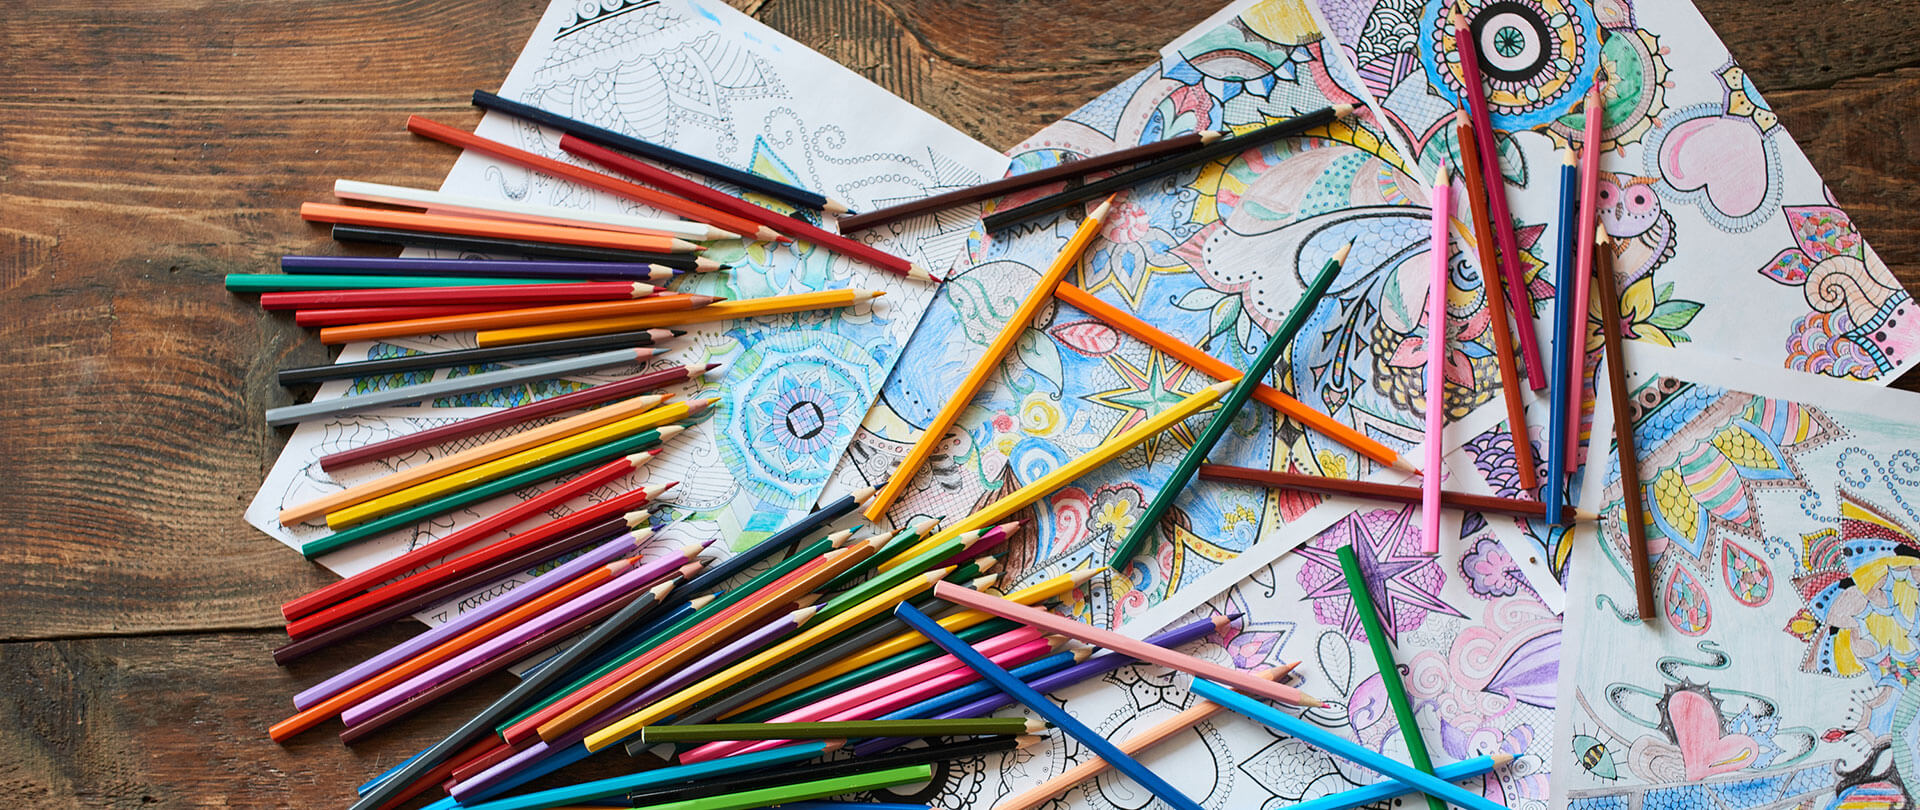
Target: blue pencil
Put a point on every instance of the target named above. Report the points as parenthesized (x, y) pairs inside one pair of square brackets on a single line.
[(1431, 784), (672, 774), (1563, 331), (1387, 788), (1043, 707)]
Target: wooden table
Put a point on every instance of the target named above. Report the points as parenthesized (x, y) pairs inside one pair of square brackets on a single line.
[(147, 148)]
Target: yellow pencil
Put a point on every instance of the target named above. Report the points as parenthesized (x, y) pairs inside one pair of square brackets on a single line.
[(719, 311), (1034, 594), (1040, 487), (531, 457), (988, 363), (734, 674), (504, 446)]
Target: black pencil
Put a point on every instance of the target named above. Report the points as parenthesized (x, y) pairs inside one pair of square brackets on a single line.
[(468, 357), (518, 247), (1134, 176)]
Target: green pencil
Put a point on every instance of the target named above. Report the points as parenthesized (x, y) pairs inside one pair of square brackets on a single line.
[(1389, 670), (274, 282), (842, 730), (803, 791), (900, 542), (1230, 404), (886, 580)]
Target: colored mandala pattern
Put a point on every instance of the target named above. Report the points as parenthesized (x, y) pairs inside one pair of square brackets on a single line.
[(1408, 582), (800, 400), (1537, 57)]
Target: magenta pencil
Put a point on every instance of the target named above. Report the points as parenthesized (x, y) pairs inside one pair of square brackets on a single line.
[(994, 538), (1436, 363), (1583, 268)]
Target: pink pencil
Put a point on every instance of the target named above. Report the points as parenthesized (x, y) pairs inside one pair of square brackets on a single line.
[(993, 538), (886, 694), (1596, 113), (1499, 212), (1436, 363), (1243, 682)]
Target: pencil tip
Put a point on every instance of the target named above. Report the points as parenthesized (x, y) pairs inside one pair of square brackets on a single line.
[(1340, 256), (1082, 576), (834, 206), (1403, 464), (1502, 760), (1568, 157), (1342, 110), (919, 273), (1209, 136)]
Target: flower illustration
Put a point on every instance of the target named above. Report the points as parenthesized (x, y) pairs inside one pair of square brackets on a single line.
[(1653, 314), (1127, 223), (1117, 513)]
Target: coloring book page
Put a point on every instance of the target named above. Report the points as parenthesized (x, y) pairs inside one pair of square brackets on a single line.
[(1215, 255), (1731, 243), (1782, 513), (704, 79)]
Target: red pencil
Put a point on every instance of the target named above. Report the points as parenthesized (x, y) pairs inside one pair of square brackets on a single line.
[(656, 176), (530, 294), (605, 392), (347, 316), (316, 621)]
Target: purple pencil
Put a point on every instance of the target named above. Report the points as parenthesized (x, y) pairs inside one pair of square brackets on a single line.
[(561, 270), (637, 577), (994, 538), (698, 669), (612, 550), (1059, 679)]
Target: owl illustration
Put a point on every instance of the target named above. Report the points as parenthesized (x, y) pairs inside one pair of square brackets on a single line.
[(1632, 214)]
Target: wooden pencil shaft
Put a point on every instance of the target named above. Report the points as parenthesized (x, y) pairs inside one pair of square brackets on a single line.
[(719, 311), (1631, 489), (467, 357), (1006, 185), (348, 316), (1389, 670), (672, 774), (833, 730), (1495, 291), (460, 225), (937, 752), (1594, 114), (609, 138), (459, 385), (445, 202), (268, 282), (507, 294), (480, 270), (1123, 180), (650, 306), (511, 247), (1397, 493), (1559, 421)]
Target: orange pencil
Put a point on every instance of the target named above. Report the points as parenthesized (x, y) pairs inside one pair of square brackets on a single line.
[(721, 311), (1496, 305), (497, 228), (429, 128), (525, 316), (1207, 364)]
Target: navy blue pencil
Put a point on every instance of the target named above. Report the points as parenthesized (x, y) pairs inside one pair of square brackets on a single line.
[(514, 268), (1563, 331)]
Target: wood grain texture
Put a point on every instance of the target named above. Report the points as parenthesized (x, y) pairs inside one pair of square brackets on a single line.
[(146, 148)]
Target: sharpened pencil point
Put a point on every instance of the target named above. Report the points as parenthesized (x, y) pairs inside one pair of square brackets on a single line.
[(656, 490), (1342, 110), (986, 563), (1502, 760), (919, 273), (1584, 515), (834, 206), (706, 265), (637, 520), (1036, 726), (1028, 741), (1340, 256), (1402, 464), (1208, 136), (766, 234), (1084, 575), (1099, 213), (670, 431)]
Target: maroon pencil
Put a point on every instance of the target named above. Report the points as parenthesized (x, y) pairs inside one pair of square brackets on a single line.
[(515, 415)]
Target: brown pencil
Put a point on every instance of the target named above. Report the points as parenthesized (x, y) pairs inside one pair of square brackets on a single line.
[(1020, 182), (1496, 297), (1630, 490), (1518, 507)]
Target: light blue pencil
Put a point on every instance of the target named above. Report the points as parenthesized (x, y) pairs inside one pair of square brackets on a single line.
[(1054, 714), (1387, 788), (1430, 784), (618, 785)]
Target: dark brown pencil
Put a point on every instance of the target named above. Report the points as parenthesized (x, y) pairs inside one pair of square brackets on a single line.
[(1503, 353), (1020, 182), (1630, 489), (1518, 507)]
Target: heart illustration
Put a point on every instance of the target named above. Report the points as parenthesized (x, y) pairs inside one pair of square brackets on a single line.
[(1724, 156), (1706, 752)]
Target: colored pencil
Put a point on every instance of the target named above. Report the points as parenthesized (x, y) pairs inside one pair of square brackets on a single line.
[(1181, 723), (838, 730), (396, 784), (526, 562), (1213, 367), (1495, 294), (348, 316), (1398, 493), (653, 305), (1115, 642), (511, 294), (273, 282), (1221, 148), (990, 539), (608, 138), (979, 700), (1040, 487), (890, 548), (1389, 670), (797, 229), (721, 311), (1039, 704), (429, 128), (672, 774), (341, 406), (791, 534), (934, 752), (1230, 404), (1078, 167), (425, 361), (819, 631), (508, 417), (1028, 672), (1439, 251), (1366, 795), (919, 558), (1633, 510), (1595, 114), (479, 270), (441, 202), (1564, 319), (785, 795), (1342, 747), (989, 362), (493, 245), (334, 214), (1501, 215), (501, 467), (473, 561)]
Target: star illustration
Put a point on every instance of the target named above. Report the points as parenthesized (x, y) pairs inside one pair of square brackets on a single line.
[(1147, 392), (1126, 272), (1404, 583)]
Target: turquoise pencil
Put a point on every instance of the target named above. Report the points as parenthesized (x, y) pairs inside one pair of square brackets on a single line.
[(1389, 788)]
